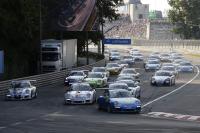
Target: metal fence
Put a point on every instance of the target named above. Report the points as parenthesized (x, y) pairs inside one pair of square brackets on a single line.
[(49, 78), (171, 44)]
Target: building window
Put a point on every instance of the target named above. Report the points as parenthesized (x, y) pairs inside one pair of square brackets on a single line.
[(145, 6), (136, 7), (140, 16)]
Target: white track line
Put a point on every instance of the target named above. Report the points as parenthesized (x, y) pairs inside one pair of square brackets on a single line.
[(157, 99), (2, 128), (16, 123)]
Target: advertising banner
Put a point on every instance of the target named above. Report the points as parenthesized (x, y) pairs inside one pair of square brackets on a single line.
[(117, 41)]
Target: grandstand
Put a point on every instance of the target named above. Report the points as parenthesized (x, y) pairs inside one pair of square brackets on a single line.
[(126, 29)]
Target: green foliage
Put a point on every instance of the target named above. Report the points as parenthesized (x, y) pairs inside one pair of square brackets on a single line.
[(20, 31), (186, 14), (107, 9), (19, 35)]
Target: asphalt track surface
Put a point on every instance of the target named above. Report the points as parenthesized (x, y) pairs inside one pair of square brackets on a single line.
[(47, 114)]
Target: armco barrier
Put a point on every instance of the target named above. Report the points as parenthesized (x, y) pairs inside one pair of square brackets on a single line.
[(189, 46), (49, 78)]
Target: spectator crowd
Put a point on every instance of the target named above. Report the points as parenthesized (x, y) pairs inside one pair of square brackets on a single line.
[(124, 28)]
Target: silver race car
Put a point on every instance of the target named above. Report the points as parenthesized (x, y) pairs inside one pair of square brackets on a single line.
[(113, 68), (101, 70), (134, 88), (165, 58), (138, 56), (21, 90), (129, 59), (171, 69), (129, 72), (75, 77), (114, 56), (80, 93), (123, 63), (152, 65), (185, 67), (163, 78)]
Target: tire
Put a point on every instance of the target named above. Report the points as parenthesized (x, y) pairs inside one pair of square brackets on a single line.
[(31, 95), (138, 112), (109, 109), (99, 107), (35, 96)]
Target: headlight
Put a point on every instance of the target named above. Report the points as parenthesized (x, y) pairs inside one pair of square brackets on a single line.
[(88, 95), (67, 95), (99, 81), (116, 103), (27, 91), (167, 80), (138, 102)]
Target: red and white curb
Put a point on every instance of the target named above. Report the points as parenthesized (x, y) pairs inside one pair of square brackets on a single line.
[(173, 116)]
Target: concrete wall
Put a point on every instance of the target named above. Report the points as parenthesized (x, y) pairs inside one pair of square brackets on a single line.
[(161, 30), (138, 11)]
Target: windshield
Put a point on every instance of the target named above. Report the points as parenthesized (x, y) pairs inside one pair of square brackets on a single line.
[(129, 83), (76, 74), (123, 62), (125, 78), (163, 74), (153, 62), (81, 87), (129, 72), (112, 65), (50, 56), (137, 54), (20, 85), (168, 68), (128, 57), (167, 64), (165, 55), (115, 54), (119, 94), (185, 64), (118, 86), (95, 75), (99, 70)]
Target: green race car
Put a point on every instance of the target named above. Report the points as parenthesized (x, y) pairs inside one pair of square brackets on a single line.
[(96, 79)]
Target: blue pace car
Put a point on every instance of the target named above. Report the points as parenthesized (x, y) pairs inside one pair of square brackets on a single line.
[(118, 100)]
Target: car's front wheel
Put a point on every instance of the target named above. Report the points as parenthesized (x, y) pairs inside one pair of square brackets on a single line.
[(109, 109)]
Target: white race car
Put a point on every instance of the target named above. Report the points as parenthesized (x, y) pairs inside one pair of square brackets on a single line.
[(165, 58), (163, 78), (138, 57), (152, 65), (75, 77), (185, 67), (114, 56), (101, 70), (134, 88), (21, 90), (171, 69), (80, 93), (129, 72)]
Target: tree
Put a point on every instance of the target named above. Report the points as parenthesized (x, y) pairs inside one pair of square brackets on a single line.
[(19, 36), (186, 15)]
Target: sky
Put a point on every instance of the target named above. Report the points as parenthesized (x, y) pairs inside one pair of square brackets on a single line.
[(157, 5)]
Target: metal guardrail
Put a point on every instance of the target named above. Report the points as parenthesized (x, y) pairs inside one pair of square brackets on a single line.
[(49, 78)]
